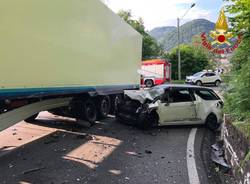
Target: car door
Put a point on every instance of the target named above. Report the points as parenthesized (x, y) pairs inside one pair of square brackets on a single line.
[(209, 77), (205, 78), (177, 106), (212, 77)]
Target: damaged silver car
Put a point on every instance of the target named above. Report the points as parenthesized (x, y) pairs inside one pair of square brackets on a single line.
[(171, 104)]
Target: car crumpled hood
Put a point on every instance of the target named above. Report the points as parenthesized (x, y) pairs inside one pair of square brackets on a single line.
[(140, 95)]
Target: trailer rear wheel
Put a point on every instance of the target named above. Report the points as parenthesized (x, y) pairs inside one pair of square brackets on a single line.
[(118, 100), (89, 110), (103, 106)]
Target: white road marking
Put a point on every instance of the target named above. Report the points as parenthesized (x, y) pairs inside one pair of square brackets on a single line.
[(191, 165)]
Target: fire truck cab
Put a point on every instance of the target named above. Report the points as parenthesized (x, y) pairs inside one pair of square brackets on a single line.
[(155, 72)]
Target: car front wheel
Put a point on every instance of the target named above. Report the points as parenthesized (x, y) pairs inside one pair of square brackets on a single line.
[(212, 123), (217, 83), (147, 121), (198, 83)]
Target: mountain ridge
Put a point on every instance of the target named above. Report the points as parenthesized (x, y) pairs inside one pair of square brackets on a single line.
[(167, 35)]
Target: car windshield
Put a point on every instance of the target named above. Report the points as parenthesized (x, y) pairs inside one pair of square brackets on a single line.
[(156, 91), (198, 74)]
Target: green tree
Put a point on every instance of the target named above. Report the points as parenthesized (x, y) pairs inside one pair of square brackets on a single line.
[(240, 20), (193, 60), (150, 47), (237, 101)]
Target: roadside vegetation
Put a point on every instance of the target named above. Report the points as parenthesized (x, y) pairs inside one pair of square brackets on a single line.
[(237, 100), (193, 59)]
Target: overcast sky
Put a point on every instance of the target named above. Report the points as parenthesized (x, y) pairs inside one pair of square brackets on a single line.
[(164, 12)]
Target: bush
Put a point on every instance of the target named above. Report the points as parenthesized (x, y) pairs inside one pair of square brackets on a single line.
[(237, 101), (243, 126), (192, 60)]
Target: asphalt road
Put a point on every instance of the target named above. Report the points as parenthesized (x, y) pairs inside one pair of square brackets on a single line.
[(55, 151)]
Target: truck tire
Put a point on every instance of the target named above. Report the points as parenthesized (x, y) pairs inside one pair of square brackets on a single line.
[(103, 106), (114, 101), (149, 83), (31, 118), (89, 111), (118, 100)]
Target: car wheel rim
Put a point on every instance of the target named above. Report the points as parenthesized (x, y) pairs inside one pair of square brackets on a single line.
[(149, 84)]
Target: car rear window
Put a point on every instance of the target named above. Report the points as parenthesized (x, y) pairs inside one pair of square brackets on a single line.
[(207, 94)]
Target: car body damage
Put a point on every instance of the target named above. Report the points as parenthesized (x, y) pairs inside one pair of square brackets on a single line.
[(171, 105), (146, 94)]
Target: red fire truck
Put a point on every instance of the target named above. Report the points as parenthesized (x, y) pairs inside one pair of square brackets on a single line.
[(154, 72)]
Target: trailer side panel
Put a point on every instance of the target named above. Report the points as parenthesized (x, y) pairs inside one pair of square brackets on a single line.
[(65, 43)]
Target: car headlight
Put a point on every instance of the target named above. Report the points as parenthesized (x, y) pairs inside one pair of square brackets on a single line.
[(220, 104)]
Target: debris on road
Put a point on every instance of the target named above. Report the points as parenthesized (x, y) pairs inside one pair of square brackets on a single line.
[(10, 165), (50, 141), (148, 151), (86, 155), (33, 170), (217, 156), (84, 136), (83, 123)]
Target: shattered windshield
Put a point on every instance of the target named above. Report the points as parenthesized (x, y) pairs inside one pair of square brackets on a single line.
[(156, 92)]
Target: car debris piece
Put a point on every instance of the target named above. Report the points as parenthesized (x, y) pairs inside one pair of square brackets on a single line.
[(217, 156), (85, 136), (148, 151), (33, 170), (51, 141), (10, 165)]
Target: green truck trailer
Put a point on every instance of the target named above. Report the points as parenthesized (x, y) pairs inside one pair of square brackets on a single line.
[(62, 54)]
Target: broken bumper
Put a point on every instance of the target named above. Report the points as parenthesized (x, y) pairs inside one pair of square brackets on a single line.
[(126, 118)]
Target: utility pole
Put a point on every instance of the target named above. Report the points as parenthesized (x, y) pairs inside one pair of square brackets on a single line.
[(178, 42), (179, 52)]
